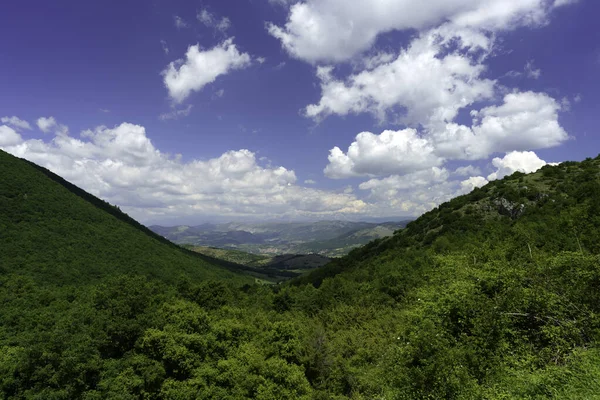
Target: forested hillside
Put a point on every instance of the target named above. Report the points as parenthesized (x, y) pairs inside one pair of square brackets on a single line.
[(54, 232), (495, 294)]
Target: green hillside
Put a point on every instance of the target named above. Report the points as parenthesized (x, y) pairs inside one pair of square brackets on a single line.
[(493, 295), (57, 233)]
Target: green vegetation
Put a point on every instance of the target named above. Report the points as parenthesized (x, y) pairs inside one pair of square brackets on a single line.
[(493, 295), (236, 256)]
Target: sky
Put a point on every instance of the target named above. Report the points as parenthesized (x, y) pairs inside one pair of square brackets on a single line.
[(188, 111)]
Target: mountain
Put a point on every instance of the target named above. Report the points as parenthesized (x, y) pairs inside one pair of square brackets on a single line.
[(57, 233), (493, 295), (328, 238)]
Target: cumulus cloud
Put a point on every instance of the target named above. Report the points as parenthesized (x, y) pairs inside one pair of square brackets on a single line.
[(411, 194), (15, 122), (425, 86), (49, 124), (391, 152), (212, 21), (122, 165), (521, 161), (8, 136), (407, 167), (337, 30), (46, 123), (394, 183), (525, 121), (473, 182), (201, 67), (430, 80)]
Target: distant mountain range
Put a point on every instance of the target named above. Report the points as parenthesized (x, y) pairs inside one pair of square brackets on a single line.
[(328, 238)]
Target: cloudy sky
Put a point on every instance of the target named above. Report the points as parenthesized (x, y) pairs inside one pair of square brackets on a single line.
[(184, 111)]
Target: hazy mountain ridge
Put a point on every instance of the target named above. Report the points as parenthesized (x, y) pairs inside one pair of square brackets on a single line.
[(328, 238)]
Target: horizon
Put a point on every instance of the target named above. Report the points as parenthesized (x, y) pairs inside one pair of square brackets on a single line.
[(375, 221), (185, 113)]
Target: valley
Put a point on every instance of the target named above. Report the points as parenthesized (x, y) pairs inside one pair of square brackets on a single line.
[(326, 238), (493, 294)]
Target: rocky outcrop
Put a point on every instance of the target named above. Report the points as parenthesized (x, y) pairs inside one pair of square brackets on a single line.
[(509, 208)]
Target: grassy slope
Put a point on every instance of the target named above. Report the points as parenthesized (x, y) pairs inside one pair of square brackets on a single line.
[(58, 233)]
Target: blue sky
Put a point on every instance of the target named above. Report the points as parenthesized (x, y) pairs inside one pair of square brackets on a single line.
[(187, 111)]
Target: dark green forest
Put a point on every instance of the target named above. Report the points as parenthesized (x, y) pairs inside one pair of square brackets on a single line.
[(493, 295)]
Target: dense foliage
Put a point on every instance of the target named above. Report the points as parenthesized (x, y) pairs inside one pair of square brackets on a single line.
[(492, 295)]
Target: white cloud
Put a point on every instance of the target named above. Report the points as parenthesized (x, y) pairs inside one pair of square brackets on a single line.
[(473, 182), (525, 161), (337, 30), (49, 124), (531, 71), (200, 68), (8, 136), (375, 60), (396, 182), (391, 152), (416, 180), (431, 80), (468, 170), (15, 122), (179, 22), (411, 194), (45, 124), (122, 165), (176, 114), (220, 93), (525, 121), (261, 60), (212, 21), (425, 85), (309, 182)]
